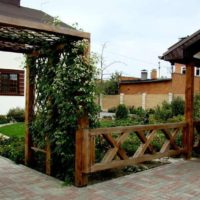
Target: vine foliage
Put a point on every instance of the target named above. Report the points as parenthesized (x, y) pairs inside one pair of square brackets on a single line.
[(64, 87)]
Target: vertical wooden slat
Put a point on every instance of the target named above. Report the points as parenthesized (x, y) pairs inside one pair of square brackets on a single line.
[(48, 157), (92, 150), (81, 154), (189, 92), (29, 111)]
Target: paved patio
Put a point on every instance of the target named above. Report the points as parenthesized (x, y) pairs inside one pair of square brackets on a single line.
[(176, 181)]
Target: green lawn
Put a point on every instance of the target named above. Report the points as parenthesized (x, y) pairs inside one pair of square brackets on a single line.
[(17, 130)]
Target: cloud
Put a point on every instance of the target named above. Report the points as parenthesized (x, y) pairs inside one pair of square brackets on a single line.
[(137, 29)]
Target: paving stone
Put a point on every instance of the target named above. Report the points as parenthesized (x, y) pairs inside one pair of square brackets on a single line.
[(177, 181)]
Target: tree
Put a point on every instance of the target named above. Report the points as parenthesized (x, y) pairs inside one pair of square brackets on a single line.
[(112, 85)]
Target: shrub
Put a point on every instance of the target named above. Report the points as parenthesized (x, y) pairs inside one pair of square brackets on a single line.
[(112, 110), (197, 106), (163, 112), (137, 111), (3, 119), (13, 148), (177, 118), (125, 122), (131, 145), (177, 106), (16, 114), (122, 112)]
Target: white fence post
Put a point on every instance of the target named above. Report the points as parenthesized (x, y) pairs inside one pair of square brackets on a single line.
[(121, 98), (170, 97), (144, 100), (101, 101)]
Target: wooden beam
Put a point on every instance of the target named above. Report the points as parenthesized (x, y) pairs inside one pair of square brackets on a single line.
[(136, 128), (38, 150), (29, 111), (189, 92), (133, 161), (26, 24)]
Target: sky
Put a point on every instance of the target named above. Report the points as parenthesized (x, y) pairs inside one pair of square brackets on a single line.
[(136, 32)]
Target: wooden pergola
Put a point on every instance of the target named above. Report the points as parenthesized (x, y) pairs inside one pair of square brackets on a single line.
[(187, 52), (25, 30)]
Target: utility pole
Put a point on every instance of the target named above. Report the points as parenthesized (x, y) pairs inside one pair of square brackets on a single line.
[(158, 69)]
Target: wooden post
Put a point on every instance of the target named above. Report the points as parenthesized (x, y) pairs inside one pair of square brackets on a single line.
[(29, 111), (189, 92), (82, 143), (48, 157), (82, 155)]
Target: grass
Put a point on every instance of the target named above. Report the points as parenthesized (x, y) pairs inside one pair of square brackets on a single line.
[(17, 130)]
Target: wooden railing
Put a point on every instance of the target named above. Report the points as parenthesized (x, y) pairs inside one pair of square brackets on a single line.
[(116, 156)]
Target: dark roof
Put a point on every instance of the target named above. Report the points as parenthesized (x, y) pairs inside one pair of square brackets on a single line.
[(144, 81), (24, 30), (19, 12), (184, 50)]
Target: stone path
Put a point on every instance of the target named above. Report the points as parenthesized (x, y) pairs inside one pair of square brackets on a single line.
[(176, 181), (1, 125)]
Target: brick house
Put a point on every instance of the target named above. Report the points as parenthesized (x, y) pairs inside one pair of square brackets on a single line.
[(174, 85)]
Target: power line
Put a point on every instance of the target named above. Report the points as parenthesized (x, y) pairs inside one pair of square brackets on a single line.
[(135, 59), (131, 58)]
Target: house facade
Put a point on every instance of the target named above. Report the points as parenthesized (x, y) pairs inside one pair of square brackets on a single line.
[(11, 82), (154, 85)]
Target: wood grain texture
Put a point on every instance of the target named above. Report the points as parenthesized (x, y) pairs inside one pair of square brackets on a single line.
[(29, 111), (189, 92)]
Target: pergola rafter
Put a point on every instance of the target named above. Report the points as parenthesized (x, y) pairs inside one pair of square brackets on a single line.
[(24, 40)]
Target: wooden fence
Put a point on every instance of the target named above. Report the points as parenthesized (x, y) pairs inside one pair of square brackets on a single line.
[(114, 153)]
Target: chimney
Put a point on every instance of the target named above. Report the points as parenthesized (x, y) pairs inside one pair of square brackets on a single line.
[(144, 74), (153, 74), (12, 2)]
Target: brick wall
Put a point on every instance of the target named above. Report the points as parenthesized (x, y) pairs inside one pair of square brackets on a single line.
[(175, 86), (178, 84), (149, 87)]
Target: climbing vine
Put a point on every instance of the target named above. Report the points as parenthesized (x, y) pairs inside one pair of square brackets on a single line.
[(64, 85)]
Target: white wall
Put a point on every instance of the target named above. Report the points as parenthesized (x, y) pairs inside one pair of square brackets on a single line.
[(8, 102), (11, 61)]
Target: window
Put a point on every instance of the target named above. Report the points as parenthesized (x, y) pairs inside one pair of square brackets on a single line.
[(11, 82), (197, 71), (183, 70)]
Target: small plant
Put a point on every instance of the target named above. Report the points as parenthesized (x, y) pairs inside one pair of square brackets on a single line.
[(163, 112), (13, 148), (122, 112), (112, 110), (3, 119), (177, 105), (197, 106), (137, 111), (16, 114)]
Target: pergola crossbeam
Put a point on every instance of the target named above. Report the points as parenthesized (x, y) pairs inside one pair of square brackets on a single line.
[(48, 28)]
